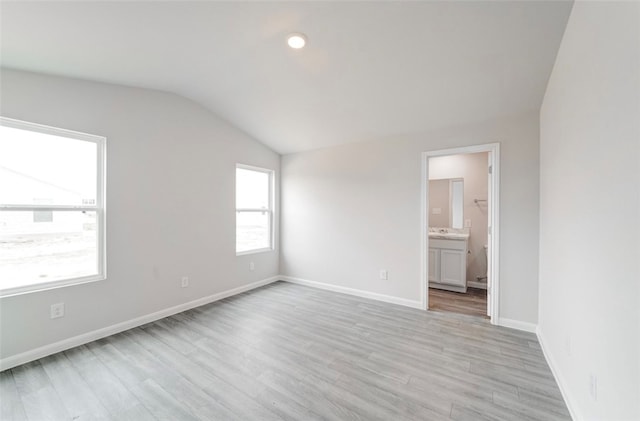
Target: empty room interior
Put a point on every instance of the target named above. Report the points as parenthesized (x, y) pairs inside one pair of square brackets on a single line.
[(395, 210)]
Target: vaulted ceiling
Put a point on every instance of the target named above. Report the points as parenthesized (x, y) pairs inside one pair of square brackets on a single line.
[(370, 69)]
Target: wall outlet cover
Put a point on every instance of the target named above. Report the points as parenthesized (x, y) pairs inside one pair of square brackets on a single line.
[(185, 282), (57, 310)]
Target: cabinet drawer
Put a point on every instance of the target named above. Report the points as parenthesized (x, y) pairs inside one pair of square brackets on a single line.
[(448, 244)]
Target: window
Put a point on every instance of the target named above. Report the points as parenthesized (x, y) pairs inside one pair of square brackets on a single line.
[(51, 207), (254, 209)]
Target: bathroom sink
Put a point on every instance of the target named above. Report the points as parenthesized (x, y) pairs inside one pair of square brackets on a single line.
[(448, 235)]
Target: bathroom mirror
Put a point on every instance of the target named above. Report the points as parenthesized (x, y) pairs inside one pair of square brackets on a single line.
[(446, 203)]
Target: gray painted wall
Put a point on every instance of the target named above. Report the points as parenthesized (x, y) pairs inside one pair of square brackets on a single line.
[(351, 210), (170, 205), (589, 210)]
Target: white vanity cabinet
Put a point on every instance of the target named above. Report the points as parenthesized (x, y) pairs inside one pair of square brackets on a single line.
[(448, 264)]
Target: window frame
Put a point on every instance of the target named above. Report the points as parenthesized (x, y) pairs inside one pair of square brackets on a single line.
[(99, 207), (270, 210)]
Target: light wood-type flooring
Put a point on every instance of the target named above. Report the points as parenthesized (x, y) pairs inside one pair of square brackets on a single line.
[(296, 353), (473, 302)]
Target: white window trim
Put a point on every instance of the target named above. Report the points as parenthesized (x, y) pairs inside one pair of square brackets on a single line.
[(99, 208), (271, 210)]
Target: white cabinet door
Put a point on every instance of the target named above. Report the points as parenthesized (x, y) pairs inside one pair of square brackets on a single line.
[(434, 265), (452, 267)]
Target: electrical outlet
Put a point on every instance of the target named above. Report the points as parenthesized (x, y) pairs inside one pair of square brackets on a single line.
[(593, 386), (57, 310), (467, 223), (252, 266), (185, 282), (384, 275), (436, 211)]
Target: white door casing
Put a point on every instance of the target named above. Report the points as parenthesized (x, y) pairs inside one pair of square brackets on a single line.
[(493, 201)]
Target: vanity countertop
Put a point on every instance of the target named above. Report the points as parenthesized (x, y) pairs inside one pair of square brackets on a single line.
[(449, 235), (443, 233)]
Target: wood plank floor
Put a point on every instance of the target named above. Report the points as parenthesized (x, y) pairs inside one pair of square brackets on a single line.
[(295, 353), (473, 302)]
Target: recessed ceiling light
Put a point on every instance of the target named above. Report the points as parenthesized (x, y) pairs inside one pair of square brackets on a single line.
[(296, 40)]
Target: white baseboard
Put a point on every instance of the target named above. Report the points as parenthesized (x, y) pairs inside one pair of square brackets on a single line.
[(475, 284), (34, 354), (517, 324), (43, 351), (556, 375), (352, 291)]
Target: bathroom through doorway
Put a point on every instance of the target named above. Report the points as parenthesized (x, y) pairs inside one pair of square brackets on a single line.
[(460, 230)]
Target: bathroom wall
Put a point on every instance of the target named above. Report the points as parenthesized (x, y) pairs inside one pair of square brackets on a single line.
[(439, 199), (473, 168)]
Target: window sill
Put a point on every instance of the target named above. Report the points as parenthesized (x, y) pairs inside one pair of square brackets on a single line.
[(44, 286), (255, 251)]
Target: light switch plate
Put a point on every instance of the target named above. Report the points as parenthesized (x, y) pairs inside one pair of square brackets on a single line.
[(436, 211), (467, 223)]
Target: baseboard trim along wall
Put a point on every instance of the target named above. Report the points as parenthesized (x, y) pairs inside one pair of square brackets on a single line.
[(43, 351), (352, 291), (25, 357), (517, 324), (510, 323), (564, 390)]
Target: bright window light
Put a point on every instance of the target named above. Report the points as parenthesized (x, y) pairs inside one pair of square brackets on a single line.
[(51, 207), (254, 209)]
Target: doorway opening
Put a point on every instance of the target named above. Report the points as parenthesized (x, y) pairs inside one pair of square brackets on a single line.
[(459, 230)]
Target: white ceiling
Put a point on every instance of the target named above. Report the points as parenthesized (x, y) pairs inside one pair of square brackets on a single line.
[(370, 70)]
